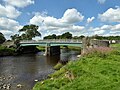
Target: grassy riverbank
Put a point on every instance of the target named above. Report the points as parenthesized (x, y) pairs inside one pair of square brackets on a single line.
[(97, 70), (42, 48), (4, 51)]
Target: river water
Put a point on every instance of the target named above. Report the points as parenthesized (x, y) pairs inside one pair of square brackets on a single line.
[(22, 72)]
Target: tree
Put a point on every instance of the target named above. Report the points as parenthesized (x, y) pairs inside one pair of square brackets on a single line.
[(2, 38), (15, 37), (66, 35), (30, 31), (53, 36)]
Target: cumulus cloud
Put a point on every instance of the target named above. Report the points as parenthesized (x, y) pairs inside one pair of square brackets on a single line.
[(54, 25), (6, 23), (6, 32), (111, 15), (8, 26), (9, 11), (89, 20), (19, 3), (72, 16), (107, 30), (101, 1)]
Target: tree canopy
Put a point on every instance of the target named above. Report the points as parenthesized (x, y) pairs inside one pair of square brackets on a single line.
[(66, 35), (28, 32), (2, 38)]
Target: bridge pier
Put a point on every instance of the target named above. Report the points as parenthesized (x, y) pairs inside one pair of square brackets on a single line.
[(52, 50)]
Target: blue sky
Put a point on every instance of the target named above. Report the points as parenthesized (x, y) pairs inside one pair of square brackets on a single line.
[(80, 17)]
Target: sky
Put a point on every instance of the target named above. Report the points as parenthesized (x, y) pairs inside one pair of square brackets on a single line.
[(79, 17)]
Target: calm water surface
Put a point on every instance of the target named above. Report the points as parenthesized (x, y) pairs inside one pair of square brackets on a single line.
[(20, 72)]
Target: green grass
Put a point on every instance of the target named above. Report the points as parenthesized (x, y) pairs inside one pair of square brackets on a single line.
[(117, 46), (41, 48), (73, 48), (91, 72)]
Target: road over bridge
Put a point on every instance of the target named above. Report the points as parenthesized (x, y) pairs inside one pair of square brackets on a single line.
[(52, 45), (52, 42)]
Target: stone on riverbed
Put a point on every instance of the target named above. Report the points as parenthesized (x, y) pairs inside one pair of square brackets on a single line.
[(19, 86), (36, 80)]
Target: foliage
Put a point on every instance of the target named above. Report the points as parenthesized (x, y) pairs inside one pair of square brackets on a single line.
[(15, 37), (53, 36), (106, 37), (79, 37), (6, 51), (2, 38), (66, 35), (94, 72), (29, 32)]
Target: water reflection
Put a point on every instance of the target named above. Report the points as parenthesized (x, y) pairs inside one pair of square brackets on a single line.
[(52, 60)]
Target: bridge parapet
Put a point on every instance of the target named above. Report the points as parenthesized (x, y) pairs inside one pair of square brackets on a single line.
[(53, 41)]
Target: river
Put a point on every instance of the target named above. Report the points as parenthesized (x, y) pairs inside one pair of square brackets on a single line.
[(22, 72)]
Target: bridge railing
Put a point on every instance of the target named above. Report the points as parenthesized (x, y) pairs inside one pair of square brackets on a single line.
[(53, 40)]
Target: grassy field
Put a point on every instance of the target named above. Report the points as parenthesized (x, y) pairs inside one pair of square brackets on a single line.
[(94, 71), (116, 46)]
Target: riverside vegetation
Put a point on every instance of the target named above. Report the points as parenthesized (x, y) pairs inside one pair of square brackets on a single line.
[(4, 51), (98, 69)]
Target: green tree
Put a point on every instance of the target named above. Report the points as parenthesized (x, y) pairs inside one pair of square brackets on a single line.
[(66, 35), (30, 31), (2, 38), (53, 36), (15, 37)]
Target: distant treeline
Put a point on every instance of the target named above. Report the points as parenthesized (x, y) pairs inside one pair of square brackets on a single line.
[(68, 35)]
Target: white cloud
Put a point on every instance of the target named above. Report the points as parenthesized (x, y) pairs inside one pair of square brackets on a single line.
[(6, 32), (72, 16), (37, 19), (53, 25), (8, 26), (9, 11), (116, 27), (106, 30), (89, 20), (19, 3), (99, 32), (101, 1), (6, 23), (111, 15)]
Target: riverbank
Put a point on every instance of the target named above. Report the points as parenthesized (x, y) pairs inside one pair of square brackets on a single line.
[(97, 70), (42, 48), (4, 51)]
